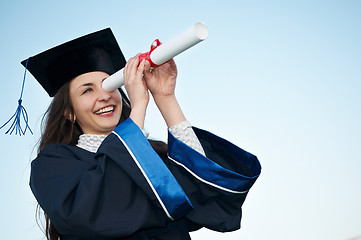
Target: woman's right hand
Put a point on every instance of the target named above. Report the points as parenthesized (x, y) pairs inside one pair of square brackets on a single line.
[(137, 89)]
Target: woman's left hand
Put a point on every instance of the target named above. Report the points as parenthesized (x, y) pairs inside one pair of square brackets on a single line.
[(161, 81)]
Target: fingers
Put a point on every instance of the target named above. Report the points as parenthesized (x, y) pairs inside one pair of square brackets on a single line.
[(147, 70), (140, 69), (146, 66), (172, 64), (134, 83), (131, 68), (133, 71)]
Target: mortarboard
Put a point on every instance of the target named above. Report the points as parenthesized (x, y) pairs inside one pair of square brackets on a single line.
[(98, 51)]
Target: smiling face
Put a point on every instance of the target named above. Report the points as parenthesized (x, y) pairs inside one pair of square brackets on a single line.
[(95, 110)]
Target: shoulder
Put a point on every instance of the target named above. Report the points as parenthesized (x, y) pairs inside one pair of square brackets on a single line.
[(63, 150), (55, 147), (63, 153)]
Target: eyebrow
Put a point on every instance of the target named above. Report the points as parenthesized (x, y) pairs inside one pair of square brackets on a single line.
[(89, 84), (86, 85)]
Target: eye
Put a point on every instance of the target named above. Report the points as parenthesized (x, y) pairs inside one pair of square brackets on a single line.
[(87, 90)]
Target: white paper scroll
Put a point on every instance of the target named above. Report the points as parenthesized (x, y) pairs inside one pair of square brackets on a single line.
[(163, 53)]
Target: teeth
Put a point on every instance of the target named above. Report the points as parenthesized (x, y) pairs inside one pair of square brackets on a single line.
[(106, 109)]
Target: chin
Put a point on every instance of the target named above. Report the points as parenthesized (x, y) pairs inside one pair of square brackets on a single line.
[(110, 127)]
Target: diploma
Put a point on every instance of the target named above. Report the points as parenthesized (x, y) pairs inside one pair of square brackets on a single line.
[(162, 53)]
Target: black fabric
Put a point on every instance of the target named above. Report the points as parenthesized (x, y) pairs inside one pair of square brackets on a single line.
[(89, 195), (104, 195), (227, 154), (98, 51)]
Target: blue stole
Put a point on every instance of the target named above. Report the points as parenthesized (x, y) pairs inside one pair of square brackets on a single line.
[(165, 187), (208, 171)]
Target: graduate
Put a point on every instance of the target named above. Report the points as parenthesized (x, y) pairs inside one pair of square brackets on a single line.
[(97, 176)]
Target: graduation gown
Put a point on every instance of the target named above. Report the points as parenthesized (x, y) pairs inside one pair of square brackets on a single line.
[(126, 191)]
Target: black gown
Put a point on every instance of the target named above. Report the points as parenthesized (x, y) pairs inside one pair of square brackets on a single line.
[(126, 191)]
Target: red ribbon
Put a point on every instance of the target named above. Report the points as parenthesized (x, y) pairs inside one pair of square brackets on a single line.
[(146, 55)]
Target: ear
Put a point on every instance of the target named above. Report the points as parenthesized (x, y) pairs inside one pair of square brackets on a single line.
[(71, 117)]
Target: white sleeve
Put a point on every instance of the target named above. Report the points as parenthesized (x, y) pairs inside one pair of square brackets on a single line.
[(184, 132)]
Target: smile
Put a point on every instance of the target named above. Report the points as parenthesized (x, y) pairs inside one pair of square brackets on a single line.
[(105, 110)]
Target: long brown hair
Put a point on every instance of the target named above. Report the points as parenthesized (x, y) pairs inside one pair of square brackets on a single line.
[(58, 128)]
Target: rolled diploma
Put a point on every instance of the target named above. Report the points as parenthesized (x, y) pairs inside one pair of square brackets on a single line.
[(163, 53)]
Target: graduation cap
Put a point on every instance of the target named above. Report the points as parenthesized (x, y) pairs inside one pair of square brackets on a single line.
[(98, 51)]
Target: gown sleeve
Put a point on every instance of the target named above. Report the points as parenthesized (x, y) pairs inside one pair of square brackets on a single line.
[(122, 189), (217, 183), (184, 132)]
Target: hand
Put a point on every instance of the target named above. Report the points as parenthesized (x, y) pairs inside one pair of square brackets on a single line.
[(161, 81), (134, 83), (137, 89)]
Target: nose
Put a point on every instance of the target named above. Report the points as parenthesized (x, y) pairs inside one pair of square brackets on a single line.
[(103, 96)]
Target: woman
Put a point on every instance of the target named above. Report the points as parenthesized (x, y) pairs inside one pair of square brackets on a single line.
[(97, 176)]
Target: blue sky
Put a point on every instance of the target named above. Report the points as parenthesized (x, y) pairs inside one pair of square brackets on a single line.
[(281, 79)]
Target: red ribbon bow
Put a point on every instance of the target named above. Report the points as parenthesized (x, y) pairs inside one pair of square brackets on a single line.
[(146, 55)]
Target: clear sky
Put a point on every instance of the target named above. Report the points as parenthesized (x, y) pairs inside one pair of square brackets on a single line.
[(281, 79)]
